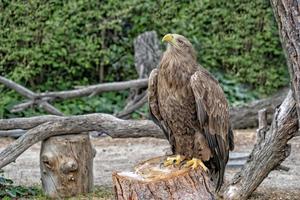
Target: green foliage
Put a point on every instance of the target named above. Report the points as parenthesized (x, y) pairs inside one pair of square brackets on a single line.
[(235, 92), (53, 45), (9, 191), (237, 37)]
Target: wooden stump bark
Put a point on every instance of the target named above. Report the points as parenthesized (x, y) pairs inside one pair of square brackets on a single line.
[(151, 180), (66, 164)]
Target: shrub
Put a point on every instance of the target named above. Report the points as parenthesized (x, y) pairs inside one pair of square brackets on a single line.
[(53, 45)]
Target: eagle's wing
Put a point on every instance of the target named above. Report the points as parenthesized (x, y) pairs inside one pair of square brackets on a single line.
[(213, 116), (153, 103)]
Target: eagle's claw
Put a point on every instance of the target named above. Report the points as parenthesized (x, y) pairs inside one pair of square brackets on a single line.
[(195, 163), (173, 160)]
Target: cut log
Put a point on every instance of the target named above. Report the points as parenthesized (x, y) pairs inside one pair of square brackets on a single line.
[(66, 164), (151, 180)]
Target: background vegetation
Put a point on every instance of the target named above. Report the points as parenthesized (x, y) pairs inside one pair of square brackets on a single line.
[(54, 45)]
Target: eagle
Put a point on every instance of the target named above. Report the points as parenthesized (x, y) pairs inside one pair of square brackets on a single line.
[(189, 105)]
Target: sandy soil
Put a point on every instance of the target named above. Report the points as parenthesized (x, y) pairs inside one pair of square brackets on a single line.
[(122, 154)]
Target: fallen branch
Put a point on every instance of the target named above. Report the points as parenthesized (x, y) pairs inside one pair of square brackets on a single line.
[(96, 89), (30, 95), (42, 99), (18, 88), (22, 106), (250, 110), (112, 126), (12, 133), (130, 109), (26, 122), (237, 114)]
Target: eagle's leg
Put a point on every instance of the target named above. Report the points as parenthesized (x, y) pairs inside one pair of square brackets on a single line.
[(174, 160), (194, 163)]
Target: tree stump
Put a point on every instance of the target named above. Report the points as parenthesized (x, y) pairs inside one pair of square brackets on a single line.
[(151, 180), (66, 164)]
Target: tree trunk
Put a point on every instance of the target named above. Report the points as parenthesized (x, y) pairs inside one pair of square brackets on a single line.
[(66, 164), (287, 14), (151, 180), (269, 151)]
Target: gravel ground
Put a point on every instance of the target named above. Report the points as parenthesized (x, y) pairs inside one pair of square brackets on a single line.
[(122, 154)]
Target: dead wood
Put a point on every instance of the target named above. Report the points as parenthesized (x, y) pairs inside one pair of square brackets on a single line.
[(96, 89), (66, 164), (237, 114), (108, 124), (104, 123), (133, 107), (30, 95), (147, 54), (246, 116), (42, 99), (151, 180), (267, 154), (287, 14), (12, 133)]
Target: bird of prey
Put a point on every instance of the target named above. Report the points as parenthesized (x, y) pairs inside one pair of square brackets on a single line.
[(189, 105)]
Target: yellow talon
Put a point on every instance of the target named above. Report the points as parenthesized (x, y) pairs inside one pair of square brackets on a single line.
[(195, 163), (174, 160)]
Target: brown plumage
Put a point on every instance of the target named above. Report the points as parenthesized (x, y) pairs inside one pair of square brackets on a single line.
[(187, 102)]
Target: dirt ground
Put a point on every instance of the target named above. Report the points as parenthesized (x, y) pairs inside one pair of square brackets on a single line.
[(122, 154)]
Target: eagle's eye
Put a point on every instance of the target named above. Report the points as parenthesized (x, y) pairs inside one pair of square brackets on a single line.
[(180, 41)]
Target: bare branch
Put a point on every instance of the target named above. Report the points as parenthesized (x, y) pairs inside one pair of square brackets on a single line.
[(22, 106), (26, 122), (42, 99), (112, 126), (50, 109), (96, 89), (12, 133), (30, 95), (132, 108), (19, 88)]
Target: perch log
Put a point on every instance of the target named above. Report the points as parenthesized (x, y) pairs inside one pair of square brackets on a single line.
[(151, 180), (66, 164)]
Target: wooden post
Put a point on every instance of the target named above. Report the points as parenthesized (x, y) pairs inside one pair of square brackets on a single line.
[(66, 164), (151, 180)]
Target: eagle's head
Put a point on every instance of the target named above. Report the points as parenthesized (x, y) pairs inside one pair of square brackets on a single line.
[(178, 44)]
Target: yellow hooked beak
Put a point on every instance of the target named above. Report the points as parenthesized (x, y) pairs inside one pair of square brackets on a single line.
[(169, 38)]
